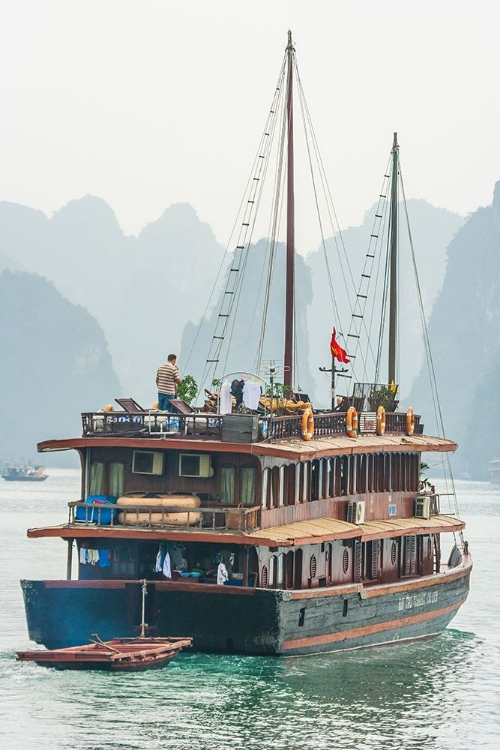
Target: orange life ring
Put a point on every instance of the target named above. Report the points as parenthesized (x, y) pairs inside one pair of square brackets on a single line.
[(380, 420), (307, 425), (351, 421), (410, 421)]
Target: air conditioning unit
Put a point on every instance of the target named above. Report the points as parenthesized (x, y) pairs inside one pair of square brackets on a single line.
[(356, 512), (423, 507), (147, 462), (195, 465)]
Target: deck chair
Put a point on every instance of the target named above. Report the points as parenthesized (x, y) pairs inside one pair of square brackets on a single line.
[(128, 404)]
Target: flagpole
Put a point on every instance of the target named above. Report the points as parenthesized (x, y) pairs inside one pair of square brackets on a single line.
[(334, 394), (341, 355)]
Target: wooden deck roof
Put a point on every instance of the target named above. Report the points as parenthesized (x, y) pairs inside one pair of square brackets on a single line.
[(297, 450), (330, 529), (300, 532)]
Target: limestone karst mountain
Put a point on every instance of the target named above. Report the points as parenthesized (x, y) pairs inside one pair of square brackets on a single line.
[(55, 365), (464, 330)]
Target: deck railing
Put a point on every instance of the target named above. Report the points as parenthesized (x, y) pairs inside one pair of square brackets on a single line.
[(154, 424), (232, 519)]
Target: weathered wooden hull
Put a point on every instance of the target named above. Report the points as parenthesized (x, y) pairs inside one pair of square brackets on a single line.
[(231, 619), (117, 655)]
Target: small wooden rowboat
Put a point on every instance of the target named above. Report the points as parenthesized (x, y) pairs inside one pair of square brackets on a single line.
[(119, 654)]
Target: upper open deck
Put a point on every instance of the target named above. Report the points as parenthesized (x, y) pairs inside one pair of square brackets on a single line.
[(236, 428)]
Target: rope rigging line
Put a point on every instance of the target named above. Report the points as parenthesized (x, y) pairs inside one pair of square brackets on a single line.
[(430, 363), (334, 222), (367, 282), (309, 132), (247, 216), (276, 212)]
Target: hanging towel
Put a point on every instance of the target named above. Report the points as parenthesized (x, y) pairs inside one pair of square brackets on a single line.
[(221, 574), (159, 561), (251, 395), (167, 572), (83, 558), (226, 401), (104, 558)]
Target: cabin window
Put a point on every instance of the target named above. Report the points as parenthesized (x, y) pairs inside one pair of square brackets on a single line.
[(361, 478), (320, 484), (384, 464), (116, 471), (297, 483), (305, 482), (328, 477), (281, 494), (265, 488), (409, 556), (372, 558), (298, 568), (227, 480), (272, 571), (289, 570), (275, 487), (314, 480), (397, 472), (247, 486), (96, 486), (336, 476), (280, 571), (344, 473), (357, 560), (416, 471), (353, 470)]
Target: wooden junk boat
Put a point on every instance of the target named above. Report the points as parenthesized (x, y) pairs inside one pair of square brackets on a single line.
[(260, 532), (118, 654)]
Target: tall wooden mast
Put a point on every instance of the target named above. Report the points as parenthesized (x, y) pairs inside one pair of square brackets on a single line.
[(393, 263), (290, 225)]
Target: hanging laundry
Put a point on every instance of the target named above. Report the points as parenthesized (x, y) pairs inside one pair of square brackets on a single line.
[(222, 575), (251, 395), (178, 560), (226, 401), (159, 560), (167, 570), (104, 558), (83, 556)]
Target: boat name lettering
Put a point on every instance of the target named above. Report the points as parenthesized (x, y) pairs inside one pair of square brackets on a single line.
[(418, 600)]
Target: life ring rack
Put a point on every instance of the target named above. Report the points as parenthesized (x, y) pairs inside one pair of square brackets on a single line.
[(307, 424), (351, 422)]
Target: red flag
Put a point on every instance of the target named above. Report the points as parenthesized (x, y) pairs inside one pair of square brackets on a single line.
[(337, 350)]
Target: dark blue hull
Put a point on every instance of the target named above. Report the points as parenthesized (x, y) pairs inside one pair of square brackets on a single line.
[(230, 619)]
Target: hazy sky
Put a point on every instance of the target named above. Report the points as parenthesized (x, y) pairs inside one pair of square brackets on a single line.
[(152, 102)]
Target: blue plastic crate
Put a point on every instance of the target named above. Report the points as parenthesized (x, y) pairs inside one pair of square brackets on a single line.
[(103, 515)]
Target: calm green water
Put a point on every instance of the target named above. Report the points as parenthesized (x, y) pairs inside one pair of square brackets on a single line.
[(442, 694)]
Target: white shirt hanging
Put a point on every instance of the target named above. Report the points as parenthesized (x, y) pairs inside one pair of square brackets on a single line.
[(221, 574), (226, 400)]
